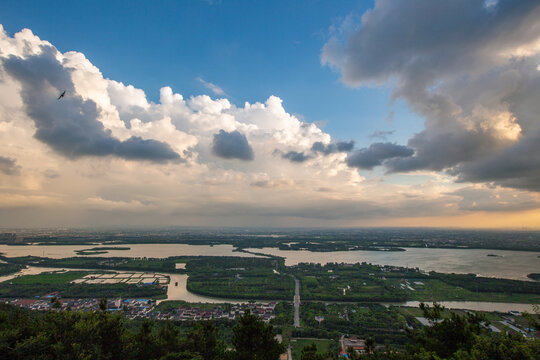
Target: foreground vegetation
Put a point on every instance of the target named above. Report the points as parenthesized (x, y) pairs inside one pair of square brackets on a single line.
[(383, 324), (102, 335), (450, 335)]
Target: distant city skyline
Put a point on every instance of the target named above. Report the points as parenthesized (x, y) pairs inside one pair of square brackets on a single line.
[(284, 114)]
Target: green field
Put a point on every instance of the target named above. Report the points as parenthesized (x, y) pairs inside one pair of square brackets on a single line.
[(239, 278), (437, 290), (417, 312), (167, 265), (323, 345), (369, 283), (51, 278), (7, 269)]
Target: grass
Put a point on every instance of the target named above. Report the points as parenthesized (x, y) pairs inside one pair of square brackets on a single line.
[(52, 278), (416, 312), (298, 344), (440, 291)]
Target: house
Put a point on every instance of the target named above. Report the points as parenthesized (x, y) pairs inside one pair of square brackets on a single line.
[(358, 345)]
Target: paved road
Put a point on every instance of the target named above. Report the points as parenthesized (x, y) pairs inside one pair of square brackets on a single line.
[(296, 302)]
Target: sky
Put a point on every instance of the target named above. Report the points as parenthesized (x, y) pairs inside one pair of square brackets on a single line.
[(285, 113)]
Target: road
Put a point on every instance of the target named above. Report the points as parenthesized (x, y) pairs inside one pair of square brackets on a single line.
[(296, 302)]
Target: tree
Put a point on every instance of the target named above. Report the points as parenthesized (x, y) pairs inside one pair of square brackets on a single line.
[(534, 321), (168, 338), (309, 352), (254, 340), (370, 345), (103, 304), (205, 333), (145, 342)]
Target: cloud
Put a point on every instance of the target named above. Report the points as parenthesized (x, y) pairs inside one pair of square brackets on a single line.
[(9, 166), (456, 35), (340, 146), (212, 87), (517, 166), (376, 154), (381, 134), (70, 125), (118, 119), (232, 145), (494, 198), (100, 204), (51, 174), (294, 156), (270, 184), (468, 67)]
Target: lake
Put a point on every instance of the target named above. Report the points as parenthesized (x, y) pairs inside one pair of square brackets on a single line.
[(135, 251), (506, 264)]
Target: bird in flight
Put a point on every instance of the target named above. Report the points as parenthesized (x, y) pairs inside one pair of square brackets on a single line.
[(62, 95)]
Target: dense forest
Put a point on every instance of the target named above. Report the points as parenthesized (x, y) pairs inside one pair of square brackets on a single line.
[(103, 335)]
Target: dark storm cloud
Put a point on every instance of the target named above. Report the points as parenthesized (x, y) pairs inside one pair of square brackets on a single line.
[(70, 125), (9, 166), (456, 64), (376, 154), (295, 156), (517, 166), (440, 151), (232, 145), (340, 146), (425, 38)]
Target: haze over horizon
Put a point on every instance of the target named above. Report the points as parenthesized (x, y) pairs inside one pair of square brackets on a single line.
[(226, 113)]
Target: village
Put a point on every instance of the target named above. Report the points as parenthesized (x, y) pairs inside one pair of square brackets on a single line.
[(146, 308)]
